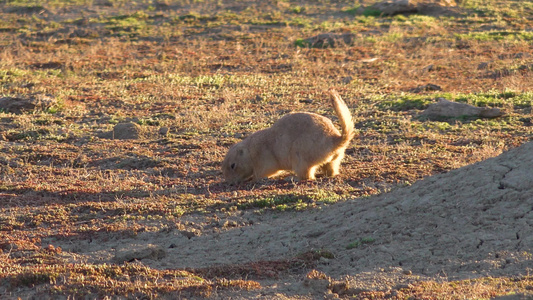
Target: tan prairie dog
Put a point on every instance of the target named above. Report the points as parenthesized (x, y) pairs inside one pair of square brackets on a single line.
[(300, 142)]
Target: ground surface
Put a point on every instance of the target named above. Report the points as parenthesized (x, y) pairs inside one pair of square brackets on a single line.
[(110, 185)]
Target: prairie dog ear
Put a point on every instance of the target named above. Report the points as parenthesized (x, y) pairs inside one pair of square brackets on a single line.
[(240, 152)]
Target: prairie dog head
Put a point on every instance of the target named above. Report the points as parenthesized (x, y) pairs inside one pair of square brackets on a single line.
[(237, 165)]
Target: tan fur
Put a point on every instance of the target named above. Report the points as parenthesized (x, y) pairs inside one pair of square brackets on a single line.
[(299, 142)]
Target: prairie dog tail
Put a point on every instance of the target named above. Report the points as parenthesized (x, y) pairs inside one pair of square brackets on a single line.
[(345, 118)]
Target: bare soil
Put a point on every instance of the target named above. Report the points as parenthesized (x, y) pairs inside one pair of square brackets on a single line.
[(476, 221)]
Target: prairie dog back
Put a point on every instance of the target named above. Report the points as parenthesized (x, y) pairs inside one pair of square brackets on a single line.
[(299, 142)]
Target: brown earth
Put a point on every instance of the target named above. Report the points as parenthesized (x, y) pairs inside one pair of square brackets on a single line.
[(114, 189), (476, 221)]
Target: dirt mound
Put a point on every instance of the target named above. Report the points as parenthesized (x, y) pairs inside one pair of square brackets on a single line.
[(448, 109), (474, 220), (471, 222), (425, 7), (127, 131)]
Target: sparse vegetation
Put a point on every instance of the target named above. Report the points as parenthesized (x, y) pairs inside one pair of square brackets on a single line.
[(198, 76), (360, 242)]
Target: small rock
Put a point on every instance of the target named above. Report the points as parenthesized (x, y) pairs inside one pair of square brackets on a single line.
[(425, 88), (163, 131), (324, 261), (369, 60), (347, 79), (258, 99), (82, 32), (325, 40), (127, 131), (48, 65), (449, 109), (402, 286), (483, 65), (138, 252), (394, 7), (228, 223), (428, 68), (190, 233), (343, 288)]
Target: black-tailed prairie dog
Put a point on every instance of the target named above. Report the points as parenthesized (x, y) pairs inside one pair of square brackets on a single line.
[(300, 142)]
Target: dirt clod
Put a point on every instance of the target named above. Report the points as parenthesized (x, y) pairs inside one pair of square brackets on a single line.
[(138, 252), (127, 131)]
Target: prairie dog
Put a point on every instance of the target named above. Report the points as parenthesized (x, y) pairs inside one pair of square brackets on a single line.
[(300, 142)]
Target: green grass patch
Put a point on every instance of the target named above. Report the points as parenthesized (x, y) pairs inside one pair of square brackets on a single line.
[(360, 242), (496, 36), (284, 202), (496, 98), (491, 98), (302, 43), (278, 202), (405, 103), (9, 75), (32, 279), (352, 10), (370, 12), (128, 23), (216, 81), (36, 6), (297, 9)]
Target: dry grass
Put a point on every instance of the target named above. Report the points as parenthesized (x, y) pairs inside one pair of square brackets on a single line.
[(211, 76), (483, 288)]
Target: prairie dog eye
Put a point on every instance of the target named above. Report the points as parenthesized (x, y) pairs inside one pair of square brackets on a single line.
[(232, 166)]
